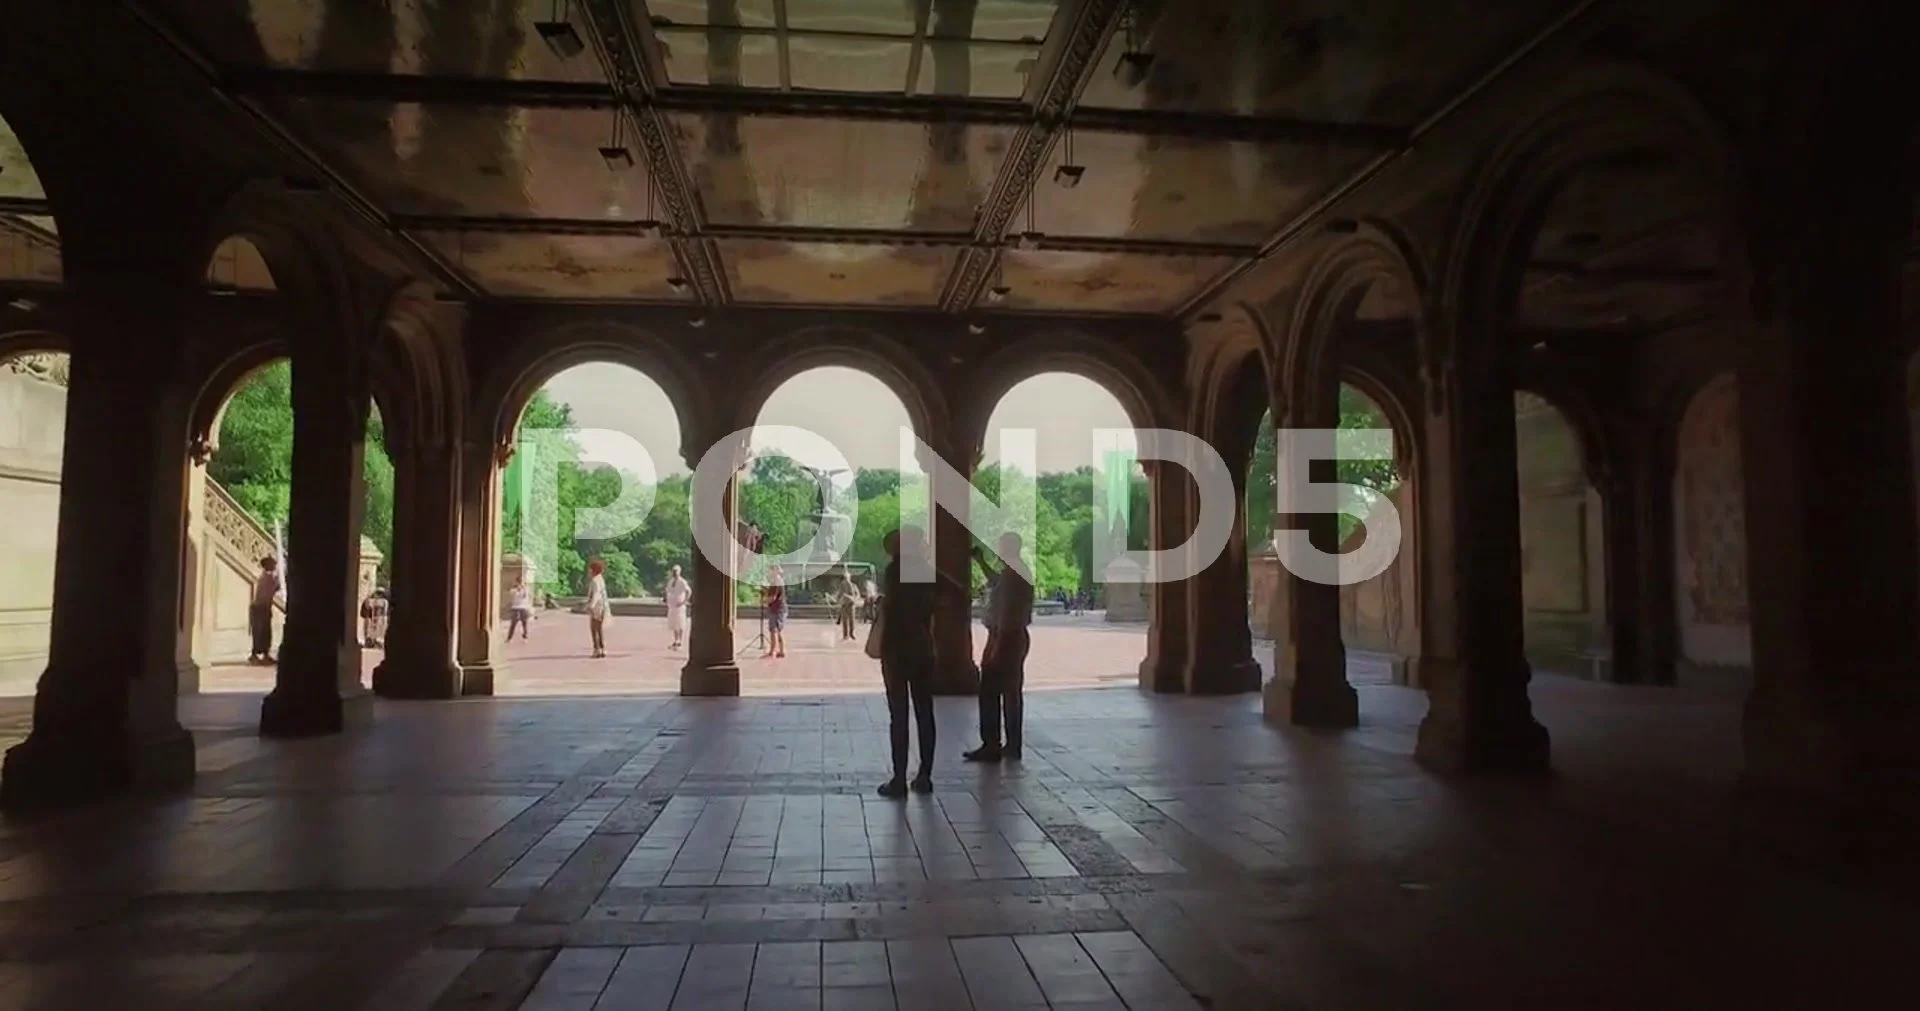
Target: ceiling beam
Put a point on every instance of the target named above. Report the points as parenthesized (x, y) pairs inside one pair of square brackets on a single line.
[(1310, 220), (837, 236), (26, 205), (345, 195), (617, 42), (1075, 46)]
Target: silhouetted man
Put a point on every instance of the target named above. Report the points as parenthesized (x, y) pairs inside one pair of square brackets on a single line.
[(1003, 663)]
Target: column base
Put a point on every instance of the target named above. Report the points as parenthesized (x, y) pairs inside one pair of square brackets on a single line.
[(397, 678), (187, 678), (1232, 678), (957, 679), (1300, 704), (1162, 676), (481, 680), (45, 772), (1501, 739), (720, 680), (284, 713)]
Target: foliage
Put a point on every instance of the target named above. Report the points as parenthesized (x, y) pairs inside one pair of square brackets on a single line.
[(255, 459), (1357, 412)]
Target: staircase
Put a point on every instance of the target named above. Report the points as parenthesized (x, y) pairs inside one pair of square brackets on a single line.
[(227, 556)]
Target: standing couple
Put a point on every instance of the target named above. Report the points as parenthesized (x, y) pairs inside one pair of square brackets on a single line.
[(907, 658)]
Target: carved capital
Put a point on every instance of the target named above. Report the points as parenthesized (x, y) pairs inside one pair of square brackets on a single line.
[(200, 450)]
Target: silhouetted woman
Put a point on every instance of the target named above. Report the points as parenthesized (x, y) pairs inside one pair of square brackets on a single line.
[(906, 661)]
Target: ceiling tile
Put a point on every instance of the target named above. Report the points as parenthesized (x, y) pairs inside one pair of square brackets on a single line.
[(491, 39), (1007, 20), (820, 273), (703, 57), (752, 13), (878, 17), (832, 63), (960, 70), (1182, 189), (26, 256), (1103, 282), (830, 173), (476, 160), (563, 266), (1375, 61)]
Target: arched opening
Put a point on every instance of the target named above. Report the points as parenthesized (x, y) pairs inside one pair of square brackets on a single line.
[(1379, 615), (238, 505), (33, 411), (847, 482), (1710, 538), (29, 237), (1562, 544), (595, 476), (1088, 495)]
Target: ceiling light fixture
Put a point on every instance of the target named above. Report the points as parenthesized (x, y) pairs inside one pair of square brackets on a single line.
[(1068, 174), (697, 322), (998, 293), (976, 328), (24, 304), (558, 33), (1134, 64), (677, 283), (1028, 240), (617, 157)]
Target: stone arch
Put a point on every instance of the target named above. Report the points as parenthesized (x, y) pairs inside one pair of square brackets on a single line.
[(1563, 557), (1341, 277), (1709, 516), (854, 348), (310, 266), (504, 395), (1145, 399), (15, 343), (1401, 418), (424, 370), (214, 392), (1591, 114)]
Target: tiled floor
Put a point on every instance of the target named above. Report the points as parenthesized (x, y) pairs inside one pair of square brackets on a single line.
[(651, 852)]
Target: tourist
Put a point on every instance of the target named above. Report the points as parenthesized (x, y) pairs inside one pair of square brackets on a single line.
[(773, 604), (266, 586), (1004, 660), (873, 601), (677, 593), (847, 600), (597, 605), (906, 662), (373, 619), (519, 607)]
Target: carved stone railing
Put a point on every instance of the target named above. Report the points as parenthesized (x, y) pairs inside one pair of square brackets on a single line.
[(235, 531)]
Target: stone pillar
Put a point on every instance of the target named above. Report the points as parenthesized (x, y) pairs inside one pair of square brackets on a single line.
[(477, 605), (1170, 490), (1472, 658), (104, 711), (1832, 778), (317, 687), (420, 660), (1638, 502), (710, 669), (1309, 686), (1220, 650)]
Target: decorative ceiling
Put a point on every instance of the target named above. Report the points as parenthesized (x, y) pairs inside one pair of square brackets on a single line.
[(1061, 156)]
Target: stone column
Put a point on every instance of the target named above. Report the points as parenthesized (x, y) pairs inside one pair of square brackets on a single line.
[(317, 686), (1220, 650), (1171, 491), (710, 669), (1832, 778), (1473, 660), (955, 672), (1638, 503), (420, 660), (104, 711), (477, 607), (1309, 686)]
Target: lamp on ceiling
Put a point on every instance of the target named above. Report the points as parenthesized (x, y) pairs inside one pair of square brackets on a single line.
[(559, 34), (1134, 63), (678, 284), (616, 155), (1068, 173)]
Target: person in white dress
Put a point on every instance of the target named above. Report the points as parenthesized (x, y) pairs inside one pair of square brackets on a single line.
[(677, 594), (597, 605)]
